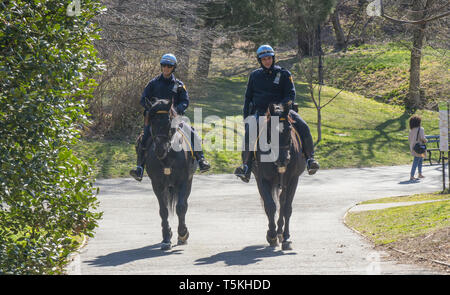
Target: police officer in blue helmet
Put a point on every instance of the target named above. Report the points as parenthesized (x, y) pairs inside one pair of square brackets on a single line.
[(273, 84), (165, 85)]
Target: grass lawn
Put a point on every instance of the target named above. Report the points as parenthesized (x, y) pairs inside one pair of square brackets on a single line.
[(412, 198), (394, 224)]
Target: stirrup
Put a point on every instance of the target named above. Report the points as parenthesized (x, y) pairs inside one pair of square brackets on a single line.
[(138, 173), (243, 173), (312, 166), (203, 165)]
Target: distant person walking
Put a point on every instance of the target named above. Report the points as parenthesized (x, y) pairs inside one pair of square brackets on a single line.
[(416, 134)]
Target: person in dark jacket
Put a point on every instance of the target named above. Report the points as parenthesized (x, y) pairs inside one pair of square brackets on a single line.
[(266, 85), (166, 86)]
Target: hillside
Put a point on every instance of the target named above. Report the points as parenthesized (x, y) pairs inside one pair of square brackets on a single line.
[(379, 71)]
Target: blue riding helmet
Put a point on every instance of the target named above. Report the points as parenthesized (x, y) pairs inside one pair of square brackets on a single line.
[(168, 59), (264, 50)]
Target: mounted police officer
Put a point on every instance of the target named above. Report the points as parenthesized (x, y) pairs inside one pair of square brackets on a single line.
[(165, 86), (272, 84)]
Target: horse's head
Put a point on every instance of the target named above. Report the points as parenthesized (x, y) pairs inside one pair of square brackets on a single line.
[(284, 131), (161, 113)]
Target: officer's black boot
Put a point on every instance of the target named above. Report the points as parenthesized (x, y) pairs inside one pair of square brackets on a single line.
[(308, 149), (202, 163), (307, 144), (138, 173), (244, 172), (141, 148), (312, 165)]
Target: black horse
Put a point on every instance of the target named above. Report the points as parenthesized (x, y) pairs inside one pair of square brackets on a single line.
[(170, 169), (277, 179)]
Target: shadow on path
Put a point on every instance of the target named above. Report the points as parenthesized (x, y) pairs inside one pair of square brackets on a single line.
[(248, 255), (126, 256), (409, 181)]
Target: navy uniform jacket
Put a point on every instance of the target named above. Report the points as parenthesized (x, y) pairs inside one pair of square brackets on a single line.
[(161, 87), (267, 86)]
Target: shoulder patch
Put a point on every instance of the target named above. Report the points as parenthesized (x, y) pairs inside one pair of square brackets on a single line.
[(181, 84)]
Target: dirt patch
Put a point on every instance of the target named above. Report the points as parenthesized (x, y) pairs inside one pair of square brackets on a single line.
[(422, 250)]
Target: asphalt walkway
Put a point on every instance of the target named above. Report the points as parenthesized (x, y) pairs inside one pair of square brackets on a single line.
[(228, 226)]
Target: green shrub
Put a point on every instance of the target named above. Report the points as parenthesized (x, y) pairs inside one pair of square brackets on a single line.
[(46, 192)]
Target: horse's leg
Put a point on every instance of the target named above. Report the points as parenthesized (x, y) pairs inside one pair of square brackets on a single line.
[(265, 189), (280, 222), (287, 209), (164, 213), (182, 206)]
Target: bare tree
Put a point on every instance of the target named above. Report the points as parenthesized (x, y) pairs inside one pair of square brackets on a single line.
[(312, 68), (134, 35), (422, 13)]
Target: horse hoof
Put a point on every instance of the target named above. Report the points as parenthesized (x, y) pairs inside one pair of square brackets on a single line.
[(182, 240), (286, 245), (280, 238), (166, 246), (273, 242)]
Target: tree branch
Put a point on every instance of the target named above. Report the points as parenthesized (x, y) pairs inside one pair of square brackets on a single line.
[(418, 22)]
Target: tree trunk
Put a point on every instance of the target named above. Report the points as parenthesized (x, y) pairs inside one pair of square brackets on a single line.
[(320, 80), (183, 48), (319, 54), (204, 58), (414, 97), (414, 74), (319, 125), (306, 39), (339, 33)]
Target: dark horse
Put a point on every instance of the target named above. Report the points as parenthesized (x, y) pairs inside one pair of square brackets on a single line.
[(170, 169), (277, 179)]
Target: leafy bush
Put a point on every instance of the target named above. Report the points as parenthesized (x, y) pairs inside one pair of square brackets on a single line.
[(46, 193)]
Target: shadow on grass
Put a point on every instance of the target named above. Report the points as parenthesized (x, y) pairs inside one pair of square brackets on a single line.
[(384, 136), (226, 97)]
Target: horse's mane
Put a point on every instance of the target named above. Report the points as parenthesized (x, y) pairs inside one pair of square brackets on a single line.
[(295, 141), (172, 113)]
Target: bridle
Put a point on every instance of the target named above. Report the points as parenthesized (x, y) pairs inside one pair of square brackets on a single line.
[(163, 137)]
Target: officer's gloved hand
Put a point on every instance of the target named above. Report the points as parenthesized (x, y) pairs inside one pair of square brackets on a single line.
[(179, 111), (149, 103)]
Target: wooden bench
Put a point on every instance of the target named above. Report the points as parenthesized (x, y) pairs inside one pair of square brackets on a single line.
[(432, 139)]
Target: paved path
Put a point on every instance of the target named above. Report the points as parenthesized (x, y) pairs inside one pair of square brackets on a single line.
[(228, 226)]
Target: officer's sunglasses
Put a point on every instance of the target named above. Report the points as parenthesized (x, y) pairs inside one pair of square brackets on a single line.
[(166, 65)]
